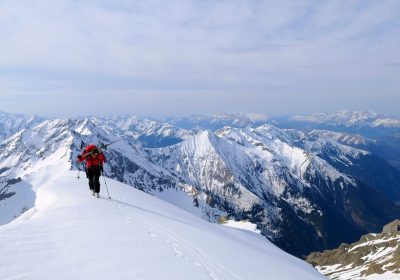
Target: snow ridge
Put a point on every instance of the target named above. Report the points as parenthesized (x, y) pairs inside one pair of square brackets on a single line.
[(128, 237)]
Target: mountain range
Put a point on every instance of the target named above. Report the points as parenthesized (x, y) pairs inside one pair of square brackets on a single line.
[(306, 188)]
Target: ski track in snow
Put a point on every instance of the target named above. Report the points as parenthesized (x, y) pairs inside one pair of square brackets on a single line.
[(183, 248)]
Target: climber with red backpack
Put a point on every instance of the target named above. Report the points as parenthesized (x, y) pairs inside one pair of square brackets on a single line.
[(94, 167)]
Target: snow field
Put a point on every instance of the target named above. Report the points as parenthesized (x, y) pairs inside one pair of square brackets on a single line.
[(72, 235)]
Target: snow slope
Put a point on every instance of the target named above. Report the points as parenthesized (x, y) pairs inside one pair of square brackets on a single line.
[(71, 235)]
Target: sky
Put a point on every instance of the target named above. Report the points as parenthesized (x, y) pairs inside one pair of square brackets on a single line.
[(175, 58)]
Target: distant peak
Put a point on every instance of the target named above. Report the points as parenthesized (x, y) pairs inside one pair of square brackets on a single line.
[(348, 118)]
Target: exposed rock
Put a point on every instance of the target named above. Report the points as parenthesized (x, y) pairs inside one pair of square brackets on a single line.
[(374, 254), (393, 227)]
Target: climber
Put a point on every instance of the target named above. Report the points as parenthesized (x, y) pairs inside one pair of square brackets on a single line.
[(94, 167)]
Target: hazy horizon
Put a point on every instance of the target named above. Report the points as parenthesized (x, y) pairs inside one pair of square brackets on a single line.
[(178, 58), (270, 116)]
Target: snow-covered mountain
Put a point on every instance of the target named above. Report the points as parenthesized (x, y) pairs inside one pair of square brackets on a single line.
[(278, 179), (126, 236), (26, 152), (69, 234), (350, 119), (302, 180), (150, 133), (12, 123), (218, 121), (366, 167), (349, 139), (127, 161), (369, 130), (374, 256), (303, 191)]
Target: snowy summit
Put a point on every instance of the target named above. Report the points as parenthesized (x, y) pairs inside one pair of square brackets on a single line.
[(134, 235)]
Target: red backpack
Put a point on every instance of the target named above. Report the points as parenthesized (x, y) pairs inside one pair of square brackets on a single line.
[(93, 156)]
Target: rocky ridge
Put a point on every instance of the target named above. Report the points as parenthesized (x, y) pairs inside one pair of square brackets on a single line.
[(374, 255)]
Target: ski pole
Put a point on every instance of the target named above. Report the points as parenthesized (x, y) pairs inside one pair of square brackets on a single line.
[(79, 163), (79, 170), (105, 183)]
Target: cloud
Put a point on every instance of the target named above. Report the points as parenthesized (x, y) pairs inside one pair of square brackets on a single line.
[(190, 47)]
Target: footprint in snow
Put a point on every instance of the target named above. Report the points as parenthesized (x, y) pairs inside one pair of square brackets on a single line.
[(178, 254)]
